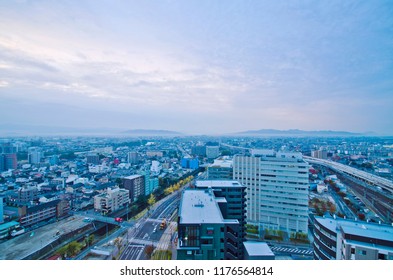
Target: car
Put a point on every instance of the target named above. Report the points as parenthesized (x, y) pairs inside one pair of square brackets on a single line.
[(119, 220)]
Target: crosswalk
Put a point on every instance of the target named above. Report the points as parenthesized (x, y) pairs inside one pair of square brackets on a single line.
[(292, 250)]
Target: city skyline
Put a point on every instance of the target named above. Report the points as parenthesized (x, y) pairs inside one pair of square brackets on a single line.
[(197, 67)]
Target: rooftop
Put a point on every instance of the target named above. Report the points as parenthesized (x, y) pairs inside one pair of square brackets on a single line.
[(131, 177), (372, 230), (218, 183), (256, 248), (201, 207)]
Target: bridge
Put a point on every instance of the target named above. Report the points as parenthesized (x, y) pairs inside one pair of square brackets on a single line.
[(370, 179), (105, 219)]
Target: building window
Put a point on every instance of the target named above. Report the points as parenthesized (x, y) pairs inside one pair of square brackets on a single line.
[(363, 252)]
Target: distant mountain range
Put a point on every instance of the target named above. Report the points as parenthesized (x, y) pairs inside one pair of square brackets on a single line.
[(297, 132), (151, 132), (15, 130)]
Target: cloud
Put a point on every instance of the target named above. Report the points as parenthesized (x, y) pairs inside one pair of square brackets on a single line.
[(228, 66)]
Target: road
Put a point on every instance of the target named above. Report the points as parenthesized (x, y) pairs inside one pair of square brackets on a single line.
[(147, 230)]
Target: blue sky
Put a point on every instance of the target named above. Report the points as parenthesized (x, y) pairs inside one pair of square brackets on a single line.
[(198, 66)]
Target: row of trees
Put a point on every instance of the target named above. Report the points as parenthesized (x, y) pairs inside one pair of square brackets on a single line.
[(322, 206), (73, 248), (178, 185)]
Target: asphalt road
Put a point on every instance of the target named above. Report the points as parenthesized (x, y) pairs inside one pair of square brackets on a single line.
[(147, 230), (132, 252)]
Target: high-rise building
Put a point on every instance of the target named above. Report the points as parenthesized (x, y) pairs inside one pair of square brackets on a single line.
[(221, 169), (8, 159), (151, 183), (203, 232), (54, 160), (341, 239), (199, 150), (235, 208), (321, 154), (133, 157), (212, 151), (93, 159), (135, 184), (277, 189), (7, 148), (189, 163), (35, 155)]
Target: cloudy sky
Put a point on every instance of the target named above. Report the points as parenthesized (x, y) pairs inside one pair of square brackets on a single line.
[(197, 66)]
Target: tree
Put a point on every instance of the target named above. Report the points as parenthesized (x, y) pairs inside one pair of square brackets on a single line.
[(332, 209), (62, 252), (152, 200), (73, 248), (168, 190)]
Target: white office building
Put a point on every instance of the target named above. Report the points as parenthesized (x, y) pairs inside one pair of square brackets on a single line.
[(277, 189)]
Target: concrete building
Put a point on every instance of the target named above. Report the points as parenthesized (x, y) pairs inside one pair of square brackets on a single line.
[(26, 194), (155, 168), (111, 200), (8, 161), (255, 250), (30, 215), (212, 152), (199, 150), (133, 157), (341, 239), (7, 148), (203, 232), (93, 159), (189, 163), (277, 189), (221, 169), (154, 154), (235, 208), (35, 155), (135, 184), (321, 154), (151, 183)]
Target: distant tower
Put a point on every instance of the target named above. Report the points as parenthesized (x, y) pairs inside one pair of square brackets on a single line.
[(8, 159), (35, 155), (93, 159), (133, 157)]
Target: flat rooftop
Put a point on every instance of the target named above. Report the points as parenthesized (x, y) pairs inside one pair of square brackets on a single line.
[(201, 207), (256, 248), (218, 183), (131, 177), (372, 230)]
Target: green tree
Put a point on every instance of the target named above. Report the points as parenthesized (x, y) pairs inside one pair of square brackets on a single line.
[(152, 200), (73, 248), (62, 252)]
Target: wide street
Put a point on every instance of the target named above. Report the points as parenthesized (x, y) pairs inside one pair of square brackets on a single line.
[(147, 230)]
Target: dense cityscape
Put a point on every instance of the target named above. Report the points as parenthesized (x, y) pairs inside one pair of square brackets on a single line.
[(196, 197)]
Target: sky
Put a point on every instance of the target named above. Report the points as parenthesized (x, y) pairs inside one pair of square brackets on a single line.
[(197, 66)]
